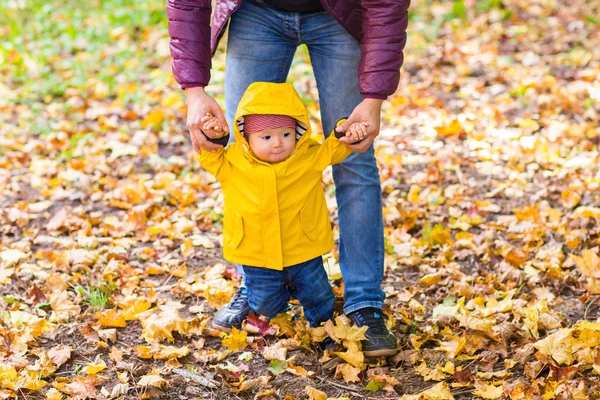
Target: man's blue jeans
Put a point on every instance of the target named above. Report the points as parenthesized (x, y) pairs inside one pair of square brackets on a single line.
[(262, 41), (270, 290)]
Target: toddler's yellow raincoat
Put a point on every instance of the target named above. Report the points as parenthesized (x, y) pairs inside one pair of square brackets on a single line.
[(275, 214)]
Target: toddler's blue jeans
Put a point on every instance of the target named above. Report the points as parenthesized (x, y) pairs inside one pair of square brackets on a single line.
[(261, 44), (270, 290)]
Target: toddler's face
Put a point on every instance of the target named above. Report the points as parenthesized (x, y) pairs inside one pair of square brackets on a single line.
[(273, 145)]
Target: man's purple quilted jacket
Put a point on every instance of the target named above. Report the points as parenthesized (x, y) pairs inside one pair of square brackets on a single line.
[(378, 25)]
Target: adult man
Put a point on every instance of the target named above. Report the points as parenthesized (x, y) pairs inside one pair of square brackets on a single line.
[(342, 37)]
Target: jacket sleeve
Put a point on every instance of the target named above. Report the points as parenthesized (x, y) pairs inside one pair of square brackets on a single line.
[(215, 163), (189, 29), (384, 37), (330, 152)]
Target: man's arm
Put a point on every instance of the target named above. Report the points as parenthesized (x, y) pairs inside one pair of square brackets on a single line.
[(189, 29), (384, 37)]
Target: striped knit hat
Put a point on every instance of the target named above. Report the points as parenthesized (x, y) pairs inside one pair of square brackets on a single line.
[(300, 126), (260, 122)]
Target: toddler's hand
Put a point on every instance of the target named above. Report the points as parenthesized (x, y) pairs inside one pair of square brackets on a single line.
[(211, 127), (357, 132)]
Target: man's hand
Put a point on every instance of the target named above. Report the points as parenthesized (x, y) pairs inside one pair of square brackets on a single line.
[(211, 126), (369, 111), (357, 132), (199, 104)]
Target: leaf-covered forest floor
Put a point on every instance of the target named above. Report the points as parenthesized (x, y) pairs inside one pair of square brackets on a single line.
[(110, 260)]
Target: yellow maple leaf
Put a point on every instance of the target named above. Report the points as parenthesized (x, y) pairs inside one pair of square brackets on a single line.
[(154, 118), (94, 367), (218, 292), (236, 341), (430, 279), (413, 194), (53, 394), (353, 357), (133, 306), (348, 372), (158, 326), (448, 368), (343, 331), (315, 394), (569, 198), (589, 263), (30, 380), (111, 318), (586, 212), (440, 391), (170, 352), (559, 346), (450, 129), (298, 371), (531, 320), (63, 307), (186, 248), (153, 379), (283, 322), (453, 346), (8, 376), (318, 334), (487, 391), (429, 374), (143, 352)]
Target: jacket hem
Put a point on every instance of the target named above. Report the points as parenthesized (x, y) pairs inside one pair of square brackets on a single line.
[(287, 263)]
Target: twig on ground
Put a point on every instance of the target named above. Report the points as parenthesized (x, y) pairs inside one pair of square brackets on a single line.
[(23, 394), (197, 378), (591, 301), (340, 386)]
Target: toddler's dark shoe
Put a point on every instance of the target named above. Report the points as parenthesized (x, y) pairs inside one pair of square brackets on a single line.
[(233, 313), (380, 341), (326, 344)]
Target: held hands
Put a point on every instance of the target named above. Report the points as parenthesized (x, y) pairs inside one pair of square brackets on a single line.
[(211, 126), (369, 112), (199, 105), (356, 132)]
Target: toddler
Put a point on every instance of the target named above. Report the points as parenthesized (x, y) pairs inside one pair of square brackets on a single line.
[(276, 222)]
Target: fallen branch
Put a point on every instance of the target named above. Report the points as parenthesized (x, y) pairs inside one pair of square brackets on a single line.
[(197, 378), (340, 386)]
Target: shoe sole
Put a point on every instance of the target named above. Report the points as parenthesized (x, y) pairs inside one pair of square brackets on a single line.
[(221, 328), (381, 353)]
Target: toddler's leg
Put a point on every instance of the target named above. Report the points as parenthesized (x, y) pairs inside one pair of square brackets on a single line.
[(267, 292), (309, 284)]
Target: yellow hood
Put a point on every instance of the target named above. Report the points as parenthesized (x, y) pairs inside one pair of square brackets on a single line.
[(272, 98)]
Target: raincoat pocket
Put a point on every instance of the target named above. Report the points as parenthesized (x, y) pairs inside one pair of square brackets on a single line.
[(237, 233), (308, 224)]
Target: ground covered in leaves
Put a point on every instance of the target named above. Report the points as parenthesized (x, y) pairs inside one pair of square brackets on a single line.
[(110, 260)]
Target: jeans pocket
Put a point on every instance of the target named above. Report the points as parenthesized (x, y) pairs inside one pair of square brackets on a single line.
[(308, 224), (237, 233)]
